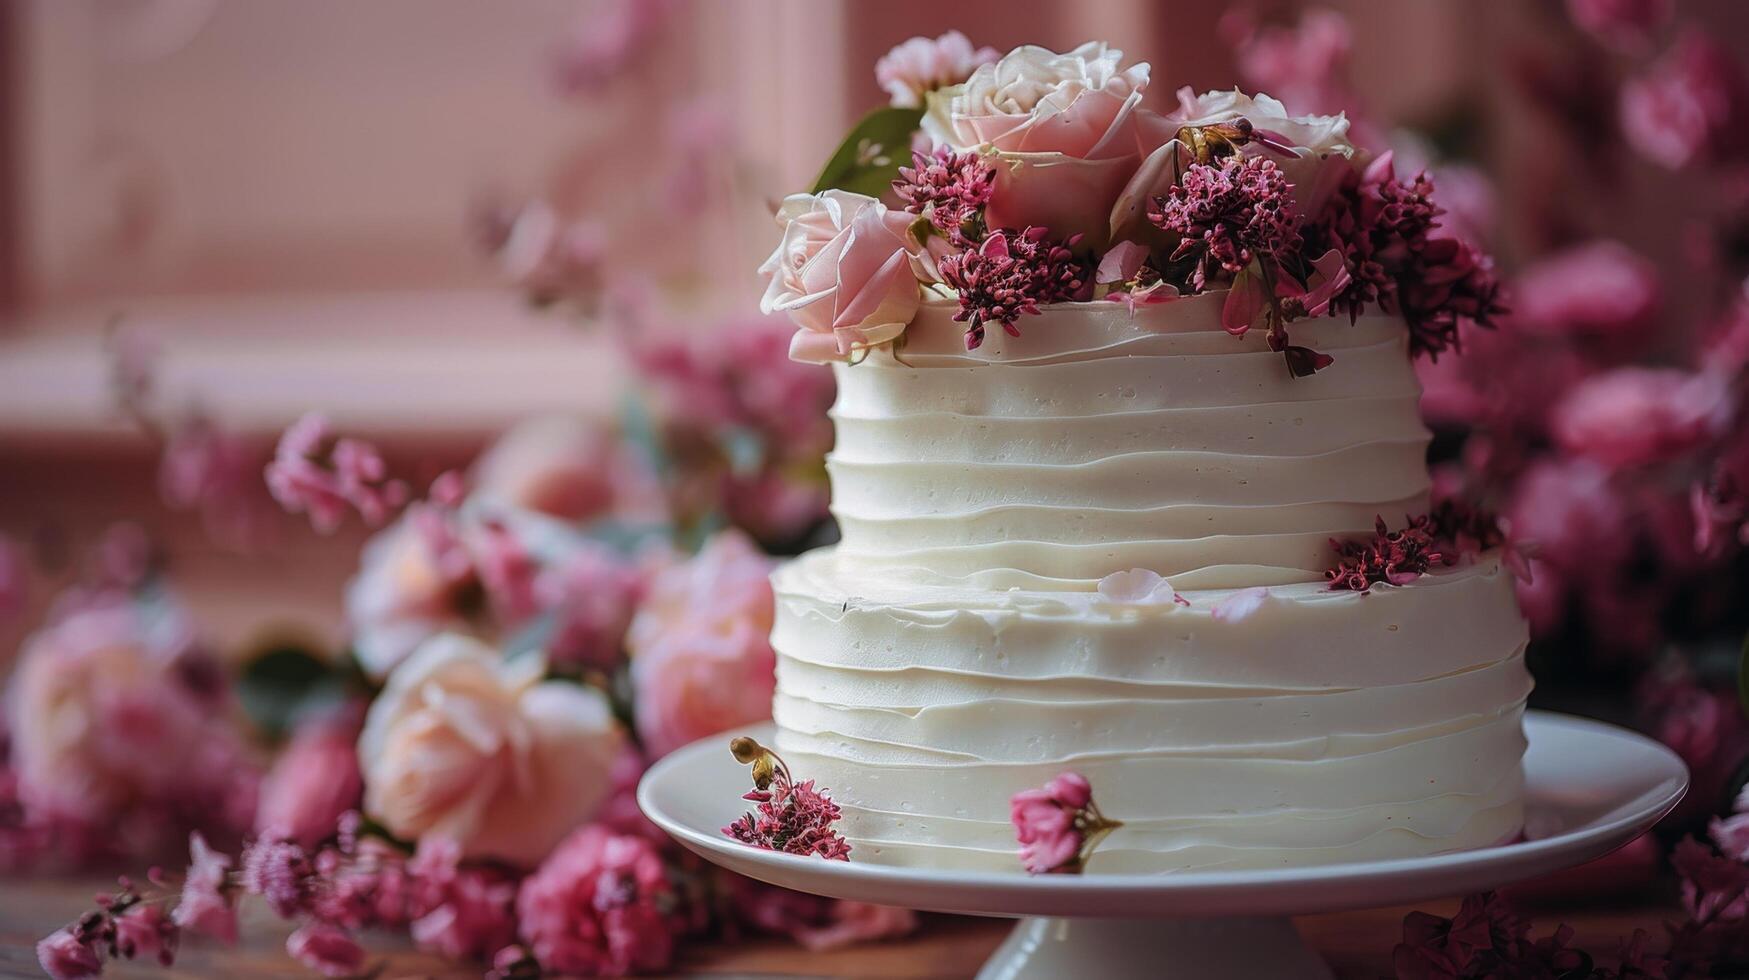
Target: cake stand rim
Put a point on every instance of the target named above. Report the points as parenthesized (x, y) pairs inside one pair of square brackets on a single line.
[(1195, 894)]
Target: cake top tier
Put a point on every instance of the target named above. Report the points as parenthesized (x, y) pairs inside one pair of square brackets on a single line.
[(1040, 179), (1099, 441), (1080, 336)]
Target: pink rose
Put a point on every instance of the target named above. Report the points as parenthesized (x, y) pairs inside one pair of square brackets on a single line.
[(595, 907), (592, 593), (466, 745), (1600, 288), (1634, 416), (111, 716), (1077, 104), (919, 66), (1063, 129), (569, 467), (1556, 508), (843, 272), (314, 780), (1690, 106), (701, 646), (412, 578)]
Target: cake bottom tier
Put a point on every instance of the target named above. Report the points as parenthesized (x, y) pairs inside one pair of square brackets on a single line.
[(1321, 727)]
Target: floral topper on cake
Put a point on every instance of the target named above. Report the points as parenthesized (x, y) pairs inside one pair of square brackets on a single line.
[(1039, 178), (793, 817)]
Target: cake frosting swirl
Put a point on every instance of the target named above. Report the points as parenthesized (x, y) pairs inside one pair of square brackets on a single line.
[(1100, 440)]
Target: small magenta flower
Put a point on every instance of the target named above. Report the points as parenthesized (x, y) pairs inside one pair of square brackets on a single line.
[(1011, 274), (792, 817), (208, 905), (948, 188), (64, 955), (1230, 214), (281, 872), (1390, 557), (145, 932), (1058, 825)]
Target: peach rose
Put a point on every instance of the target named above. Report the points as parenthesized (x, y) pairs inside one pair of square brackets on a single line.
[(466, 746), (701, 645), (1062, 129), (845, 272)]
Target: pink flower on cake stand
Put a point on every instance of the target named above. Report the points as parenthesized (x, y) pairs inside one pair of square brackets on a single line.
[(1058, 825)]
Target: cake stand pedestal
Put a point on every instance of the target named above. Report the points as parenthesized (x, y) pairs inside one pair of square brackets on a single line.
[(1590, 788)]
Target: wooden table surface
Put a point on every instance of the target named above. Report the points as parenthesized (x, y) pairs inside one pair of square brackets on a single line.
[(1357, 944)]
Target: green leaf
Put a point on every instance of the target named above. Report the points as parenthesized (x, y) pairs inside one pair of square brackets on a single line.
[(868, 160), (282, 682)]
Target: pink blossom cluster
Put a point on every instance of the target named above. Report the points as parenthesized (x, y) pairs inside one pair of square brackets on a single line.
[(950, 189), (1384, 228), (1011, 274), (316, 473), (1388, 558), (1229, 215), (598, 906), (478, 564), (793, 818)]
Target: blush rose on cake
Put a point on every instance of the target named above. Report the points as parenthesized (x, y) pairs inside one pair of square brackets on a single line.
[(1132, 489)]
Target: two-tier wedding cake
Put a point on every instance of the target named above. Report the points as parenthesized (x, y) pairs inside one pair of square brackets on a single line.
[(1100, 514)]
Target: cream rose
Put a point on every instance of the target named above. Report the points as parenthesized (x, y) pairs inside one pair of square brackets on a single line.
[(464, 745), (1063, 130), (845, 272), (1314, 134), (1317, 150)]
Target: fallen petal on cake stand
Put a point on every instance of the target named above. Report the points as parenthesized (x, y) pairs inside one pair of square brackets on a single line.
[(1589, 789)]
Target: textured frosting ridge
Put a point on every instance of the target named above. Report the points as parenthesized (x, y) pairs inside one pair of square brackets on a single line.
[(953, 649), (1327, 726), (1100, 440)]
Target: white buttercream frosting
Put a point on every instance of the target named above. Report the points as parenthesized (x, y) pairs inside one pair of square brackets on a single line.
[(1099, 440), (955, 647)]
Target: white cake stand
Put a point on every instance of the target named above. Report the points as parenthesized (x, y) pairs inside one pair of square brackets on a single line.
[(1590, 787)]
